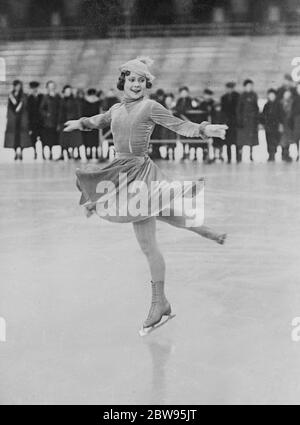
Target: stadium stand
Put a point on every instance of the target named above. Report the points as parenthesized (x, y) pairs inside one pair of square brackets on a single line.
[(195, 61)]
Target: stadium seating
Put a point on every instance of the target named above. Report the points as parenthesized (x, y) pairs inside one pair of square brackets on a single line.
[(195, 61)]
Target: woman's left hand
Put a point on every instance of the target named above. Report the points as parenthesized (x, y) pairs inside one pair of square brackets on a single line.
[(216, 130)]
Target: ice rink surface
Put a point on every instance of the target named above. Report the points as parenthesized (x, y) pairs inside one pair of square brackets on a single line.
[(74, 293)]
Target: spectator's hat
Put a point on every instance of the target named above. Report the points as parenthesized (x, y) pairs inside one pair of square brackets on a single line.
[(17, 82), (67, 86), (34, 84), (231, 85), (248, 81), (183, 88), (160, 92), (288, 77)]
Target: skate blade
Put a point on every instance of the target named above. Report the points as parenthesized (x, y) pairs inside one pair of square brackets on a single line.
[(147, 331)]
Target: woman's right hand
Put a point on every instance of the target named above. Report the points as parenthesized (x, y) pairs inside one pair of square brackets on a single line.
[(72, 125)]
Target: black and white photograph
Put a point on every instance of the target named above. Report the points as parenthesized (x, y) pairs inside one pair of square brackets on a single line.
[(150, 205)]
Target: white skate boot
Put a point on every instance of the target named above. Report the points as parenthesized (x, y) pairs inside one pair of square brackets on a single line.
[(160, 307)]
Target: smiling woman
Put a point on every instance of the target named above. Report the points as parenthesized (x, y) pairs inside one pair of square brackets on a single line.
[(132, 122), (135, 76), (132, 78)]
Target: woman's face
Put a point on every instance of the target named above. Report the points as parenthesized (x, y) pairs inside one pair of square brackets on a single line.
[(17, 88), (272, 96), (51, 87), (169, 101), (135, 86), (68, 92), (249, 87)]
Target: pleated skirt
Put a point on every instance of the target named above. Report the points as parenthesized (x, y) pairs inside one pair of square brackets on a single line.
[(133, 188)]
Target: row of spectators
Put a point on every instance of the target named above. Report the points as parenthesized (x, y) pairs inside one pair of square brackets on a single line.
[(280, 116), (35, 116)]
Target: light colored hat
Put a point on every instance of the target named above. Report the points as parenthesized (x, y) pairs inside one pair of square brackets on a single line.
[(140, 66)]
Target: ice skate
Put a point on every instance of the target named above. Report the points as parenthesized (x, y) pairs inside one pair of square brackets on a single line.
[(160, 308), (222, 239), (90, 210)]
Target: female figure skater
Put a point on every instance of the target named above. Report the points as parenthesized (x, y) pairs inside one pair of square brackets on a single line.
[(132, 122)]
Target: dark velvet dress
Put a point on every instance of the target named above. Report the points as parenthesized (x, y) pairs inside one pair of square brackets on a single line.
[(247, 119), (50, 113), (132, 124), (296, 118), (271, 121), (35, 117), (17, 128)]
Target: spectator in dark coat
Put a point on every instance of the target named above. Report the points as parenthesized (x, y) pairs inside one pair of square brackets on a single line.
[(288, 84), (159, 96), (271, 122), (247, 119), (286, 119), (229, 103), (91, 107), (109, 100), (296, 119), (167, 134), (34, 114), (17, 130), (218, 117), (50, 113), (79, 94), (183, 105), (70, 110), (207, 107)]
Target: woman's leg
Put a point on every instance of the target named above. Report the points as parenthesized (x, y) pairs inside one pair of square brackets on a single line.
[(145, 232), (239, 153), (228, 146), (204, 231), (251, 153)]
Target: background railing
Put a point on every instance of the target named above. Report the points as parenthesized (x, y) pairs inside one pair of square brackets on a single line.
[(134, 31)]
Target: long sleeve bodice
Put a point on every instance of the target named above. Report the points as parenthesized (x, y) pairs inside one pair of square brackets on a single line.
[(132, 124)]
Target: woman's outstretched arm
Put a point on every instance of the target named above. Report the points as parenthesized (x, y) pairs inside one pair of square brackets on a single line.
[(162, 116), (86, 124)]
